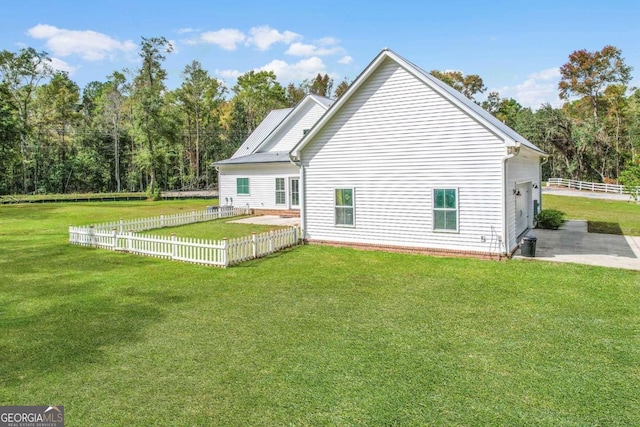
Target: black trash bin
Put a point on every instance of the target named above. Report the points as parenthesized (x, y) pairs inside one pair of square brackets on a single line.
[(528, 246)]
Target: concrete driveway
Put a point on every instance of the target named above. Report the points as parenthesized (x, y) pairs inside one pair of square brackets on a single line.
[(573, 243)]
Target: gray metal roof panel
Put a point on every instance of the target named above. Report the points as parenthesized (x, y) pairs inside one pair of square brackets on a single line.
[(266, 157), (326, 102), (273, 119)]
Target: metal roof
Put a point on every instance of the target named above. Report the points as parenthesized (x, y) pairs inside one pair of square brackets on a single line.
[(273, 119), (266, 157), (322, 100)]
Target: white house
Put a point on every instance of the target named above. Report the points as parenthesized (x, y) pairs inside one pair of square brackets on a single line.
[(260, 174), (402, 161)]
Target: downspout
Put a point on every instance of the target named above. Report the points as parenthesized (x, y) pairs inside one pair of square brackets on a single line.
[(546, 159), (303, 195), (512, 151)]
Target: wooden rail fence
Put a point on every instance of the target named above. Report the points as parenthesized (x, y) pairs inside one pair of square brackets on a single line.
[(121, 236), (591, 186)]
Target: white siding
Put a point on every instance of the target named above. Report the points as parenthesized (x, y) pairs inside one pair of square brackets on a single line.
[(262, 184), (394, 141), (525, 167), (291, 132)]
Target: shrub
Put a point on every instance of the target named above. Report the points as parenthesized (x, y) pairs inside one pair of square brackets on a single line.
[(154, 193), (550, 219), (630, 178)]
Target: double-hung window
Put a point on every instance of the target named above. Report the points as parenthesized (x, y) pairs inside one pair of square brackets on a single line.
[(445, 209), (344, 206), (281, 194), (242, 185)]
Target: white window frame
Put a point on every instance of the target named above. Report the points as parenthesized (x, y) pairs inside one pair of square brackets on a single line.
[(282, 191), (291, 192), (336, 207), (248, 186), (434, 209)]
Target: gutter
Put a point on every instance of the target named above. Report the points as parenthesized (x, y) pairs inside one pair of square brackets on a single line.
[(512, 151)]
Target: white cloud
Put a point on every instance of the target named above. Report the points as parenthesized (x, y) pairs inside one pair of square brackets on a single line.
[(227, 38), (60, 65), (301, 49), (89, 45), (263, 37), (345, 60), (186, 30), (228, 74), (539, 88), (327, 41), (548, 74), (303, 69)]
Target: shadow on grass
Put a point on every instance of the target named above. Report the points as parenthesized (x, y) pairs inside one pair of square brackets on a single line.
[(256, 262), (603, 227), (75, 330)]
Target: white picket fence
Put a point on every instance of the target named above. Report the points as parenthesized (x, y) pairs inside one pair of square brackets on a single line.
[(183, 218), (220, 253), (590, 186)]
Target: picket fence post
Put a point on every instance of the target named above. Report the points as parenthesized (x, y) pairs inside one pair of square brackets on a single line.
[(115, 238), (92, 236), (254, 238), (129, 234), (174, 246), (225, 258), (271, 242)]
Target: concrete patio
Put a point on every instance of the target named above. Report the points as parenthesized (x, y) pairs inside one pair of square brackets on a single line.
[(573, 243), (269, 220)]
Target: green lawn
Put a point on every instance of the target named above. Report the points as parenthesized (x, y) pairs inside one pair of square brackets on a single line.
[(309, 336), (213, 230), (604, 216)]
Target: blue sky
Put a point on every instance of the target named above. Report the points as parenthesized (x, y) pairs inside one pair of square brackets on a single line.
[(516, 47)]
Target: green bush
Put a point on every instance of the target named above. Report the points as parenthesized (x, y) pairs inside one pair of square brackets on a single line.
[(154, 193), (550, 219)]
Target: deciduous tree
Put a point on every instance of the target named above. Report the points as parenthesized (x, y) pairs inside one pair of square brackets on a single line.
[(469, 85), (587, 74)]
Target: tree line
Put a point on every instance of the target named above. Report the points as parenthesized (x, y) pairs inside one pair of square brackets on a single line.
[(131, 133)]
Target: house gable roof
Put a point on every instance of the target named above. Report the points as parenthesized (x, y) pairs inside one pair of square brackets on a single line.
[(273, 119), (294, 114), (510, 136)]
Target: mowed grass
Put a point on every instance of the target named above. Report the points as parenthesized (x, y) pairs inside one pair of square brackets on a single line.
[(310, 336), (604, 216), (217, 229)]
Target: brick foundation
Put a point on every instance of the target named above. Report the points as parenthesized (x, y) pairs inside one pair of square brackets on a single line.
[(293, 213), (410, 250)]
